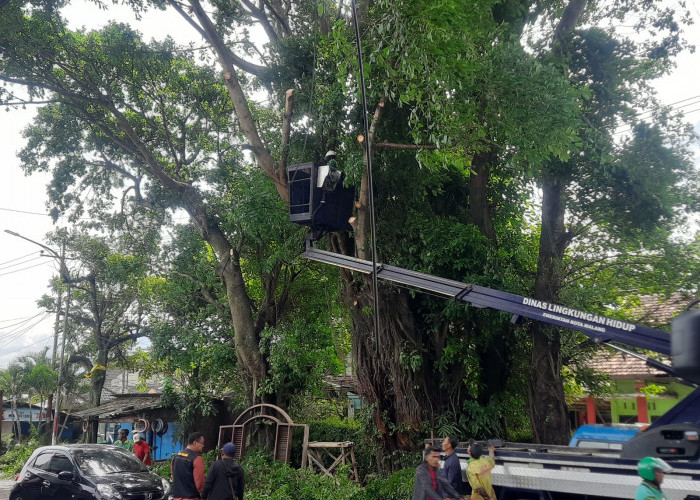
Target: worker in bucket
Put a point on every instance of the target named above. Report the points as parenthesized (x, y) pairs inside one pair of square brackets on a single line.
[(334, 176), (652, 472)]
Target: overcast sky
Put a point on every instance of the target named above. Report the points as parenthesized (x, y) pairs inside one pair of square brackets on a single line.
[(24, 273)]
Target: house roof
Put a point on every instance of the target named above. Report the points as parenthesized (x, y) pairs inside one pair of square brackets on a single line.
[(622, 366), (125, 403), (343, 382), (118, 382), (658, 311)]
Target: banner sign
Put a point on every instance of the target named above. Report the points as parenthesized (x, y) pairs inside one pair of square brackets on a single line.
[(23, 414)]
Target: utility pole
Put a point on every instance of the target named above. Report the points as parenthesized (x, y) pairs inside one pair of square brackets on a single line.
[(58, 315), (57, 406), (63, 273)]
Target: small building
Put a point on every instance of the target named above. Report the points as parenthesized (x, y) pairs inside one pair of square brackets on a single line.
[(640, 394), (129, 402), (27, 416), (141, 412)]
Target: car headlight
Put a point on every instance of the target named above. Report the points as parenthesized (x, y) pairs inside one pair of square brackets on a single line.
[(108, 492), (166, 486)]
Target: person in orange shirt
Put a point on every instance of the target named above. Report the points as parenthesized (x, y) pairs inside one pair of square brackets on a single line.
[(141, 449), (187, 469)]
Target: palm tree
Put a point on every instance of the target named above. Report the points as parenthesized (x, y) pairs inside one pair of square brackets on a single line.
[(40, 378), (13, 385)]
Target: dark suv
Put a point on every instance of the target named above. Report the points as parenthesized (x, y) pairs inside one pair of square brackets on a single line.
[(87, 471)]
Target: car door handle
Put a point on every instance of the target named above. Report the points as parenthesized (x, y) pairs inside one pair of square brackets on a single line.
[(45, 484)]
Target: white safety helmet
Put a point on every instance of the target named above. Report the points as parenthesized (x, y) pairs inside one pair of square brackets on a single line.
[(330, 153)]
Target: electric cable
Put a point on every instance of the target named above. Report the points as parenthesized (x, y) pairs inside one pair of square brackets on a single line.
[(8, 266), (628, 128), (24, 268), (9, 340), (22, 321), (18, 258), (14, 319), (22, 211), (370, 184), (43, 339)]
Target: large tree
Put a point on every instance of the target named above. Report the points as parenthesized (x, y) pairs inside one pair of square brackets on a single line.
[(486, 117), (106, 309)]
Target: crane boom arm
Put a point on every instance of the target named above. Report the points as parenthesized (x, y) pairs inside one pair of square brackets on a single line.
[(600, 329)]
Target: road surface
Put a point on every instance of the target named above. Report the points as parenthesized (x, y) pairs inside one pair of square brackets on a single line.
[(5, 487)]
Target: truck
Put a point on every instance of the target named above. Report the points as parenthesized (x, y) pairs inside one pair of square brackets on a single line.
[(551, 472), (535, 471)]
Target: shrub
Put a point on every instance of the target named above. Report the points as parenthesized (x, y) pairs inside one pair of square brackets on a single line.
[(271, 480), (398, 486), (13, 460), (162, 468)]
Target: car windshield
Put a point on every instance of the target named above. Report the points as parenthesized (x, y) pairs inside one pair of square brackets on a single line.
[(107, 461)]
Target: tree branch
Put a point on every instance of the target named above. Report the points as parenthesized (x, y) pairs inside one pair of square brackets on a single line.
[(363, 207), (124, 338), (286, 132), (239, 100), (392, 145), (83, 361), (207, 28), (262, 17)]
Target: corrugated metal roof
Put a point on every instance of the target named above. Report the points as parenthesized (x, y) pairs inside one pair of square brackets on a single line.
[(127, 403)]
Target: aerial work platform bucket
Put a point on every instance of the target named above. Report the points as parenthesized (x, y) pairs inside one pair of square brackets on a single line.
[(316, 202)]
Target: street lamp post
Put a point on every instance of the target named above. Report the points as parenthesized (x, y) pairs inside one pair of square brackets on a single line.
[(65, 278)]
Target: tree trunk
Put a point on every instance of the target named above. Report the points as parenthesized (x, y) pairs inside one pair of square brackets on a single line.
[(401, 396), (548, 410), (479, 209), (246, 337), (48, 425)]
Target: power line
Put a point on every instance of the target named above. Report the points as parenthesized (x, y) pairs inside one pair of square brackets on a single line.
[(21, 331), (36, 213), (24, 348), (15, 319), (19, 334), (23, 321), (24, 268), (17, 258), (43, 339), (23, 211), (628, 128), (3, 267)]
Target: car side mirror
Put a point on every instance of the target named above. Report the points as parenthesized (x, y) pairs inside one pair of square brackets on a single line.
[(65, 475)]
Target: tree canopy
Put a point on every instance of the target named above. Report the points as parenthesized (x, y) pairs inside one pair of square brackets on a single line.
[(498, 160)]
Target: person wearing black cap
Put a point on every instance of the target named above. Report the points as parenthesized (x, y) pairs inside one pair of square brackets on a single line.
[(225, 480)]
